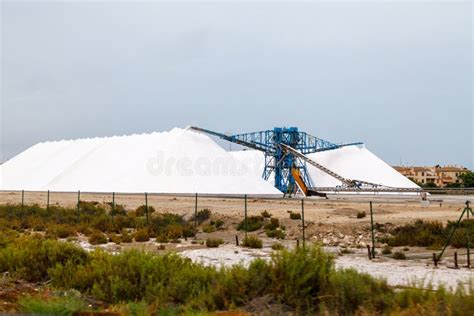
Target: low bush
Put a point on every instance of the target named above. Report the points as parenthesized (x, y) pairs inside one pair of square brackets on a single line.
[(218, 223), (97, 238), (253, 223), (141, 235), (162, 238), (387, 250), (398, 255), (278, 246), (273, 224), (252, 242), (266, 214), (115, 238), (142, 209), (126, 237), (202, 216), (60, 231), (276, 233), (294, 215), (209, 229), (214, 242), (66, 304), (119, 209), (174, 231), (420, 233), (304, 281), (361, 215), (29, 258)]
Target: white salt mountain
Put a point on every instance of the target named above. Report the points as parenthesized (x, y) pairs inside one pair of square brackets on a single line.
[(178, 161)]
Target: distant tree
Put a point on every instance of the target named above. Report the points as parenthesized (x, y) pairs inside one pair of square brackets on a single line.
[(453, 185), (416, 182), (429, 185), (467, 179)]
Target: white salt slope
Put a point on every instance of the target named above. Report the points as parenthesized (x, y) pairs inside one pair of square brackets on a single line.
[(351, 162), (356, 163), (178, 161)]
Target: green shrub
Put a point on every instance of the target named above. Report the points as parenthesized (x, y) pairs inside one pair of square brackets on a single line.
[(273, 224), (141, 210), (126, 237), (420, 233), (174, 231), (115, 238), (97, 238), (214, 242), (60, 231), (387, 250), (30, 258), (202, 215), (303, 281), (300, 277), (189, 231), (266, 214), (349, 290), (218, 223), (119, 209), (253, 223), (252, 242), (57, 305), (209, 229), (398, 255), (361, 215), (276, 233), (141, 235), (278, 246), (346, 251), (295, 216), (162, 238)]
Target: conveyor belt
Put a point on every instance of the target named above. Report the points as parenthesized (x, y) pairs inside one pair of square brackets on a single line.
[(353, 184)]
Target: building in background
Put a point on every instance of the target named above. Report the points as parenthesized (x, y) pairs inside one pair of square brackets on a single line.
[(441, 176)]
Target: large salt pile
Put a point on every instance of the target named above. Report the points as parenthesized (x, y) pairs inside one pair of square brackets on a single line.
[(178, 161), (351, 162)]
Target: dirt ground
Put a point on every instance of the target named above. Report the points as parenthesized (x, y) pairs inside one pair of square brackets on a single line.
[(337, 210)]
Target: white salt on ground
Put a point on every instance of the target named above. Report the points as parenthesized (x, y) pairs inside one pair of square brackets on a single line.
[(397, 273)]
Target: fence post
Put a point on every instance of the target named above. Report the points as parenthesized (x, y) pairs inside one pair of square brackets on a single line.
[(47, 202), (468, 237), (456, 260), (22, 199), (78, 204), (196, 211), (245, 216), (302, 222), (146, 207), (372, 229), (369, 252), (113, 205)]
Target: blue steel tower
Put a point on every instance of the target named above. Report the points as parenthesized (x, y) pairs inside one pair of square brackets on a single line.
[(277, 160)]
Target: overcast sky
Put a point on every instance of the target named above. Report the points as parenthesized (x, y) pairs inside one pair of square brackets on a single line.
[(397, 76)]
